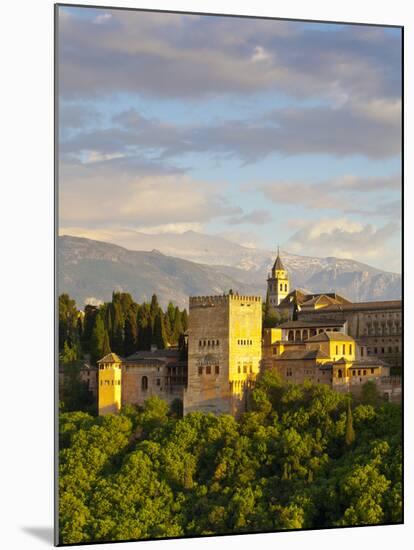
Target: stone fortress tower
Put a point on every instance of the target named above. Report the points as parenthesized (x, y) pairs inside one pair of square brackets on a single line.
[(109, 384), (278, 284), (224, 352)]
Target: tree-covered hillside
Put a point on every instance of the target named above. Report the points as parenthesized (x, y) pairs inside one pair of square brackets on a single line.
[(302, 456)]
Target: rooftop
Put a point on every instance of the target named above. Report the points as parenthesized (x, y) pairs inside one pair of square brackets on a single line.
[(302, 354), (312, 324), (328, 336), (110, 358)]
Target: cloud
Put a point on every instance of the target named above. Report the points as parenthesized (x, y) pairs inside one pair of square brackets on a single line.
[(349, 130), (345, 238), (173, 55), (348, 194), (104, 195), (256, 217)]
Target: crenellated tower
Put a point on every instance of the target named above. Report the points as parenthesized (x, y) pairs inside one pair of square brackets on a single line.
[(278, 284)]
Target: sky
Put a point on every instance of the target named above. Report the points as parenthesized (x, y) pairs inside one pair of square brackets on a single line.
[(264, 132)]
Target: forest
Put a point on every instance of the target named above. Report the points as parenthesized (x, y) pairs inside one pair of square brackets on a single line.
[(301, 457), (121, 326)]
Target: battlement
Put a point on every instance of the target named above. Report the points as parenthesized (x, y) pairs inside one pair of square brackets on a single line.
[(210, 301)]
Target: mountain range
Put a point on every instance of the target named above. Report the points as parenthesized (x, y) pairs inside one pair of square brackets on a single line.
[(174, 266)]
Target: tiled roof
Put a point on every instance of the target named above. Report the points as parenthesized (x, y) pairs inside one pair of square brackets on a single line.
[(302, 354), (312, 324), (356, 306), (278, 264), (327, 336), (110, 358)]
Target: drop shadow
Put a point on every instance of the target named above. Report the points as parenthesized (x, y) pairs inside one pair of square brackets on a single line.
[(42, 533)]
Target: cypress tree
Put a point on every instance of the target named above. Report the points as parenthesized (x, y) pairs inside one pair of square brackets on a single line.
[(184, 320), (97, 340), (178, 327), (130, 333), (349, 430), (159, 337), (106, 347)]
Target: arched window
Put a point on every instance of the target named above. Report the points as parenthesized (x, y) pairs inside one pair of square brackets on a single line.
[(290, 335), (340, 373), (281, 286), (285, 288), (305, 335), (297, 335), (144, 383)]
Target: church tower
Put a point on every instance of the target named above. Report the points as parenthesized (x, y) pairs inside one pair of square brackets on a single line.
[(278, 285)]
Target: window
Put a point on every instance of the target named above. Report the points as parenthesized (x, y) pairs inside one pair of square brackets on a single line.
[(208, 369), (200, 370), (251, 369), (285, 288), (200, 343), (245, 369), (217, 369), (274, 351), (343, 349), (365, 372), (372, 371), (289, 371), (158, 382), (336, 350), (208, 343), (144, 383), (359, 373), (281, 286), (350, 349), (217, 342), (238, 368)]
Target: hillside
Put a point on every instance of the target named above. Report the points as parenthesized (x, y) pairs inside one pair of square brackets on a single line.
[(91, 270)]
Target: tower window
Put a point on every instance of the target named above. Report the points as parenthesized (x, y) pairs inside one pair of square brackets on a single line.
[(200, 370), (285, 288), (217, 369), (281, 286), (208, 369), (144, 383)]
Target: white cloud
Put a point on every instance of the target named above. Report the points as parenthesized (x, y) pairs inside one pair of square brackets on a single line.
[(102, 18), (345, 238)]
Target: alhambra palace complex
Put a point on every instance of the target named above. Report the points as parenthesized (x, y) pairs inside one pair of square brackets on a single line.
[(327, 340)]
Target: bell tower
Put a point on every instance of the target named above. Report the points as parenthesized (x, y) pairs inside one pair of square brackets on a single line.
[(278, 284)]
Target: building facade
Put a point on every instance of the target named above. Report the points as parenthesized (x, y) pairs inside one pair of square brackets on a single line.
[(142, 375), (224, 352)]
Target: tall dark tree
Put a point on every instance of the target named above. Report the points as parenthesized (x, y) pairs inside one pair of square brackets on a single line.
[(154, 307), (106, 346), (184, 320), (68, 317), (88, 324), (159, 337), (130, 332), (349, 429), (144, 327), (97, 340), (178, 327)]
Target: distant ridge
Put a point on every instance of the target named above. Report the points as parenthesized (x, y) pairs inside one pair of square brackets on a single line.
[(91, 270)]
